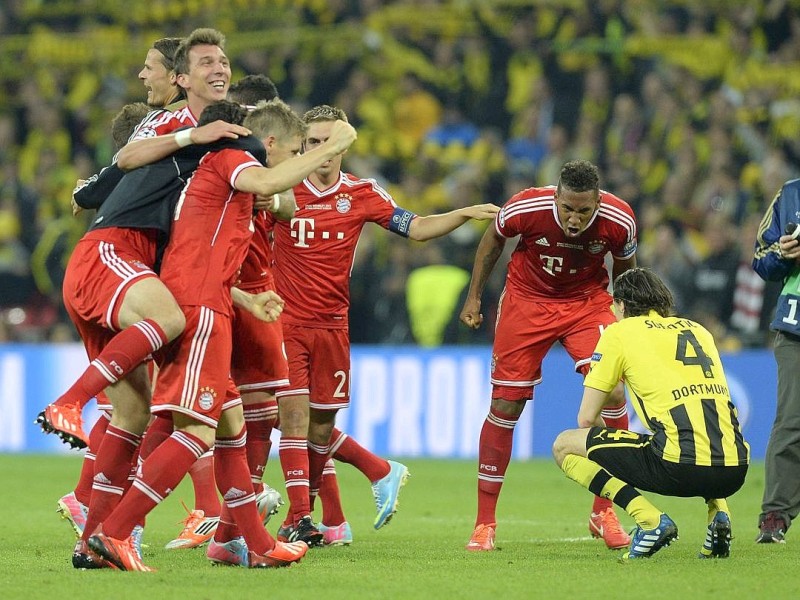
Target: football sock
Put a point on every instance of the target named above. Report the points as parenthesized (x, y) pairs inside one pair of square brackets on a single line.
[(616, 416), (317, 457), (125, 351), (83, 490), (160, 429), (345, 449), (332, 513), (494, 454), (601, 483), (134, 467), (205, 489), (158, 476), (233, 481), (293, 452), (260, 418), (226, 529), (716, 505), (112, 467)]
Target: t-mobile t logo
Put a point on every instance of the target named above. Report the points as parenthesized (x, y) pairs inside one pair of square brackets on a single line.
[(302, 229), (552, 264)]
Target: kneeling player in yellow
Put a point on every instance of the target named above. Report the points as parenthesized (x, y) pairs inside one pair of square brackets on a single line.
[(677, 386)]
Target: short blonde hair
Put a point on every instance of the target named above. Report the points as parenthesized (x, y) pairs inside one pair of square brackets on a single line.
[(275, 118)]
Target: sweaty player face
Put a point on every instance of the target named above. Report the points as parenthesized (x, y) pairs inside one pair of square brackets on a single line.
[(575, 209), (209, 74), (160, 83), (318, 133), (281, 150)]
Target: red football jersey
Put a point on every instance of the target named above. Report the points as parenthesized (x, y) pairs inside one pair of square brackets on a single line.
[(162, 122), (314, 251), (548, 264), (257, 267), (211, 233)]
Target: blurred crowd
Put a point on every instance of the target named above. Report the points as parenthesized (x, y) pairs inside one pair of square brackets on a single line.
[(690, 109)]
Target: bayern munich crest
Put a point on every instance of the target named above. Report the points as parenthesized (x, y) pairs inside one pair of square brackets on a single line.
[(206, 398), (596, 246), (343, 203)]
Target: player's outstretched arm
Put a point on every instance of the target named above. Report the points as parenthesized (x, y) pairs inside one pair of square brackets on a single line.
[(149, 150), (433, 226), (489, 250), (266, 306), (267, 181)]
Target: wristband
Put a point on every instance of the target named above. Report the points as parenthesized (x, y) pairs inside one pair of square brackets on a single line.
[(184, 138), (276, 202)]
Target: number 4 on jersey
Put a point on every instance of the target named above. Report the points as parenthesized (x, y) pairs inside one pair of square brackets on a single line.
[(687, 338)]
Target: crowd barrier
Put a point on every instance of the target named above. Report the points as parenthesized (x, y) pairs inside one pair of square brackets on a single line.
[(405, 401)]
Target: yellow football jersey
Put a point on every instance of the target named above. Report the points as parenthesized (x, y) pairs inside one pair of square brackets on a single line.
[(677, 386)]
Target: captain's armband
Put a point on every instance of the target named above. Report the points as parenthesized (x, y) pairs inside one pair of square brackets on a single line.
[(400, 222)]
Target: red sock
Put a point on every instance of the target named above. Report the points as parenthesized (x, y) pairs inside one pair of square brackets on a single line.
[(332, 513), (125, 351), (347, 450), (83, 490), (616, 417), (317, 457), (159, 475), (260, 419), (134, 468), (494, 454), (159, 430), (205, 488), (293, 452), (112, 467), (233, 480), (226, 529)]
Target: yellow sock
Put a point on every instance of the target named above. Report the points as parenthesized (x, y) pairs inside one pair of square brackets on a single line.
[(716, 505), (645, 514), (598, 481)]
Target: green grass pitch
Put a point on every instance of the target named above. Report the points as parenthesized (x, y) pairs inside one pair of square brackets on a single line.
[(544, 550)]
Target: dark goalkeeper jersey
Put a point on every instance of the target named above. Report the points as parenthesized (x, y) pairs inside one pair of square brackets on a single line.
[(145, 198)]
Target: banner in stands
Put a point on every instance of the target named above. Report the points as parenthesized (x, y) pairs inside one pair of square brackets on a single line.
[(405, 401)]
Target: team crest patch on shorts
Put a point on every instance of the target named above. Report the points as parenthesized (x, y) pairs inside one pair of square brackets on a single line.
[(205, 399), (493, 365)]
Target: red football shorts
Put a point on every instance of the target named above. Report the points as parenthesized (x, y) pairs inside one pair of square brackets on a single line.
[(104, 264), (194, 378), (258, 362), (319, 365), (527, 329)]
